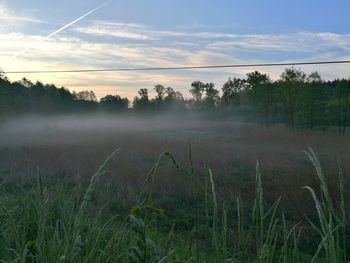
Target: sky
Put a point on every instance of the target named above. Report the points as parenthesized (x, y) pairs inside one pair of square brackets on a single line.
[(159, 33)]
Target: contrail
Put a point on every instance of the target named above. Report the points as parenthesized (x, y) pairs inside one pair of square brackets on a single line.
[(78, 19), (66, 26)]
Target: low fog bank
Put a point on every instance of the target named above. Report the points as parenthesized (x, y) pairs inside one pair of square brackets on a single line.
[(74, 146), (77, 128)]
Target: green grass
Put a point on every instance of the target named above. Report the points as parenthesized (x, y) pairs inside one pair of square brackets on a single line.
[(58, 222)]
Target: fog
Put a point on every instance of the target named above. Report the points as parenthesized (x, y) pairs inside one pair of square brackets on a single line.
[(80, 128), (74, 146)]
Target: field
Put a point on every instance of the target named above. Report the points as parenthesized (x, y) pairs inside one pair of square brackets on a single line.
[(180, 189)]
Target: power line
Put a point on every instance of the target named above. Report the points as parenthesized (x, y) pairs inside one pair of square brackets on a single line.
[(180, 68)]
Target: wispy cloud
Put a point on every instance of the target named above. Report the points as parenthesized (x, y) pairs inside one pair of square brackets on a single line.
[(246, 47), (11, 18), (115, 29), (291, 42), (142, 32)]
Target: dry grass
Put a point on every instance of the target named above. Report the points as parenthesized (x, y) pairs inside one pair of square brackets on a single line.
[(74, 147)]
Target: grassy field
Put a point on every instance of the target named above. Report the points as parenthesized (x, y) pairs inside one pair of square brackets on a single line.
[(176, 190)]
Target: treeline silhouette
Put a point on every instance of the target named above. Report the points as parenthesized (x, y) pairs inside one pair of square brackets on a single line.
[(297, 100)]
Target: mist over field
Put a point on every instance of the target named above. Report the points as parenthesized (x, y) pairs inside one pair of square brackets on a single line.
[(76, 144), (75, 128)]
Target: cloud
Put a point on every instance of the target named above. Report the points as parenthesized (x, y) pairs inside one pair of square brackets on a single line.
[(253, 47), (142, 32), (103, 31), (113, 29), (105, 44), (18, 18), (312, 42), (291, 42)]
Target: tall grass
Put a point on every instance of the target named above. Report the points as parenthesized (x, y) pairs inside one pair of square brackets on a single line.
[(330, 227), (56, 223)]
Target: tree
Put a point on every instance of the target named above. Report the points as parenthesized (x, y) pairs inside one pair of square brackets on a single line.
[(170, 95), (26, 83), (160, 90), (292, 82), (313, 102), (231, 91), (85, 95), (4, 83), (179, 96), (197, 90), (343, 104), (261, 95), (142, 102), (143, 93), (2, 75), (173, 98), (211, 95), (111, 102)]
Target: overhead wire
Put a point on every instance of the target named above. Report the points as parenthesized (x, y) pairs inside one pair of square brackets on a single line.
[(180, 67)]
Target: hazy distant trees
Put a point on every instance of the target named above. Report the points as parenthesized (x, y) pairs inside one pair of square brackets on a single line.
[(4, 83), (24, 96), (160, 90), (231, 92), (197, 90), (292, 84), (165, 98), (261, 95), (159, 99), (173, 99), (212, 95), (296, 99), (141, 102), (85, 95), (114, 103), (2, 75), (211, 98), (342, 104), (313, 103)]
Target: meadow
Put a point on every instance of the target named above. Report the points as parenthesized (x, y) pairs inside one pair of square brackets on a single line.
[(170, 188)]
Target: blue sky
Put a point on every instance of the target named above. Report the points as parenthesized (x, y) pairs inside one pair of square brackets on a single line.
[(131, 33)]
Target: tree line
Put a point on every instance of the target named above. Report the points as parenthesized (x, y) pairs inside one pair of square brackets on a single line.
[(25, 96), (296, 99)]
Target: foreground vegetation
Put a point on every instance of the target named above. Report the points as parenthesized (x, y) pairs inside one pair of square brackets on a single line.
[(44, 221)]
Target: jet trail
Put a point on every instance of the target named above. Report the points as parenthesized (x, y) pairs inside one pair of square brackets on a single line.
[(66, 26), (78, 19)]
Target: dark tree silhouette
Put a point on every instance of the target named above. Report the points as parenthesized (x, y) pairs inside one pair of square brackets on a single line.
[(292, 84), (212, 95), (197, 90), (142, 102), (231, 92), (114, 103), (261, 94), (85, 95)]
